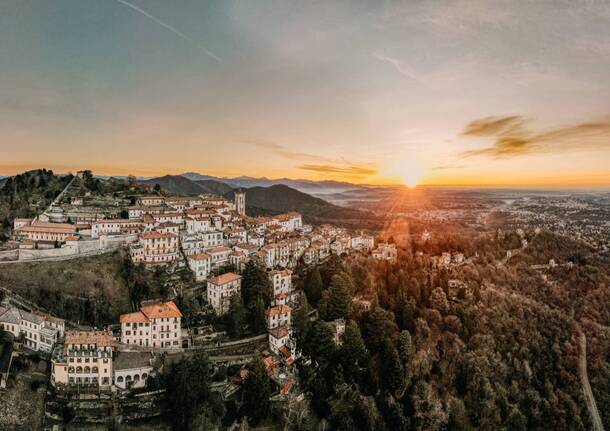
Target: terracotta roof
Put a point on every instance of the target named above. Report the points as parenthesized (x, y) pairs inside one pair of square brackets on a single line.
[(200, 256), (224, 278), (284, 272), (218, 250), (279, 309), (161, 309), (100, 338), (136, 317), (48, 227), (157, 235), (279, 332)]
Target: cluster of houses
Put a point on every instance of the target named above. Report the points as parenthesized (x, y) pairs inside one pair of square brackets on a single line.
[(100, 359), (204, 232)]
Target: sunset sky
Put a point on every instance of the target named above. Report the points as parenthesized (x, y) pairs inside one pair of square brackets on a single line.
[(432, 92)]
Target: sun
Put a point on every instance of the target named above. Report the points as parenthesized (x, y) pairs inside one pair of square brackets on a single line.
[(411, 175)]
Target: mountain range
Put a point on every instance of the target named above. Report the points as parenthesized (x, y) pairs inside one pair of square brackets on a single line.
[(273, 199), (306, 186)]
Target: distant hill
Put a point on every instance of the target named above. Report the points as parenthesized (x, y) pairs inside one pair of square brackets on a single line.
[(306, 186), (214, 186), (270, 200), (281, 198), (180, 185)]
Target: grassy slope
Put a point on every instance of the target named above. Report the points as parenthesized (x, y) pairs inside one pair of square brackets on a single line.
[(64, 287)]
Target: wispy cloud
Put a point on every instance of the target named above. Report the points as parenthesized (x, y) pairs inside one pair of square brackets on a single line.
[(172, 29), (286, 152), (401, 67), (447, 166), (513, 138), (344, 170), (316, 163)]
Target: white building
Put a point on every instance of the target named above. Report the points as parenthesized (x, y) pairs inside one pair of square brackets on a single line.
[(40, 332), (240, 202), (85, 359), (277, 316), (221, 289), (201, 265), (155, 325), (281, 281)]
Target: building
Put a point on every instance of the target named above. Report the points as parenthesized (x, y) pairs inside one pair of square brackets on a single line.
[(39, 333), (155, 248), (157, 324), (221, 289), (131, 369), (386, 252), (151, 200), (281, 281), (219, 255), (240, 202), (279, 315), (116, 226), (85, 359), (201, 265), (43, 231)]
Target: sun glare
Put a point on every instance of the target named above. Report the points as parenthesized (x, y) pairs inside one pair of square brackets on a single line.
[(411, 175)]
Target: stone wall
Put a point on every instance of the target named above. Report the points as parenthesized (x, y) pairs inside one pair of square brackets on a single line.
[(74, 249)]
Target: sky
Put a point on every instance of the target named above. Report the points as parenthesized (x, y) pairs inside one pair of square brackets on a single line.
[(417, 92)]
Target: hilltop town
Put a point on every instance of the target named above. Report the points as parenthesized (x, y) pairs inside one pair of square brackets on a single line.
[(126, 306), (208, 236)]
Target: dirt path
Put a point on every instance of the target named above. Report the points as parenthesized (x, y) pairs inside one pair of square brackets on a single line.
[(584, 380)]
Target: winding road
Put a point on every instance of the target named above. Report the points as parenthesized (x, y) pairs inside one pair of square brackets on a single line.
[(584, 380)]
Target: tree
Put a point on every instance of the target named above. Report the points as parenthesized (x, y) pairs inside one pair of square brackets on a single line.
[(257, 316), (256, 392), (236, 317), (255, 284), (157, 188), (391, 370), (300, 322), (405, 347), (187, 386), (352, 353), (313, 285), (339, 302), (378, 326), (320, 343)]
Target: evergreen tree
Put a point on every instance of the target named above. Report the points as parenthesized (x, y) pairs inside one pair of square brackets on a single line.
[(257, 316), (391, 372), (187, 389), (339, 301), (256, 392), (313, 285), (300, 322), (236, 317), (255, 284), (320, 343), (352, 353)]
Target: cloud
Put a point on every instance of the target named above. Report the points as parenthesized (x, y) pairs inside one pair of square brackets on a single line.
[(316, 163), (512, 138), (447, 166), (401, 67), (172, 29), (344, 170), (287, 152)]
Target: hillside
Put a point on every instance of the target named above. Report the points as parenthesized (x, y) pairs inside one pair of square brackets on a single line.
[(216, 187), (25, 194), (179, 185), (281, 198)]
